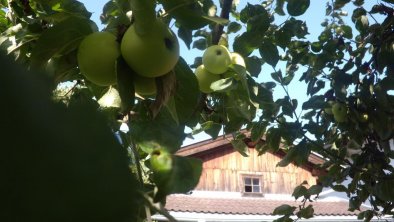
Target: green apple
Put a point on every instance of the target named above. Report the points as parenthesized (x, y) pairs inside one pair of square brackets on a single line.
[(216, 59), (328, 109), (97, 56), (161, 161), (339, 111), (144, 86), (152, 54), (205, 79), (237, 59)]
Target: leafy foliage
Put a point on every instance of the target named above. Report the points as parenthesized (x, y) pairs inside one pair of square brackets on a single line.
[(350, 63)]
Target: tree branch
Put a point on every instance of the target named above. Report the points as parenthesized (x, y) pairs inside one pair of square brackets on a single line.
[(225, 13)]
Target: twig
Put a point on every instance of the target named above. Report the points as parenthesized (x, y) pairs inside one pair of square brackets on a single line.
[(225, 13)]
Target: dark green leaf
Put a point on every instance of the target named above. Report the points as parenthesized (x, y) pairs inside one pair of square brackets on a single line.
[(297, 7), (298, 154), (186, 35), (233, 27), (315, 102), (240, 146), (340, 188), (300, 191), (306, 212), (258, 130), (246, 43), (315, 189), (200, 44), (269, 53), (279, 7), (217, 20), (178, 174), (125, 85), (61, 39), (384, 190), (253, 65), (273, 138), (187, 93), (277, 76), (284, 209), (159, 133), (347, 31)]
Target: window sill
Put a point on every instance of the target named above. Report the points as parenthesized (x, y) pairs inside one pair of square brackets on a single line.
[(249, 194)]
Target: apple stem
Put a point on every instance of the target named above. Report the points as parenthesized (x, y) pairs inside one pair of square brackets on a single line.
[(144, 14)]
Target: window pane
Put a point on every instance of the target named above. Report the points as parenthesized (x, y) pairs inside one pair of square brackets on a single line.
[(248, 181), (248, 189), (256, 189), (256, 181)]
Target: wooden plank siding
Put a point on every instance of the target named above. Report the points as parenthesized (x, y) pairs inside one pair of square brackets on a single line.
[(223, 168)]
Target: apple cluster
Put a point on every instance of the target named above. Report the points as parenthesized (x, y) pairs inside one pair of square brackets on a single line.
[(149, 54), (215, 66)]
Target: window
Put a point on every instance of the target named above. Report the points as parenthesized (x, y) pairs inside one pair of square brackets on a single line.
[(251, 185)]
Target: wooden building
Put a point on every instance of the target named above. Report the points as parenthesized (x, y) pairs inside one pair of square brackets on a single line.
[(237, 188)]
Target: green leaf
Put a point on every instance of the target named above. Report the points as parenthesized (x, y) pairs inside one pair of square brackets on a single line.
[(200, 44), (217, 20), (273, 138), (125, 85), (186, 35), (187, 13), (171, 108), (297, 7), (159, 133), (253, 65), (246, 43), (340, 188), (72, 8), (298, 154), (362, 23), (186, 174), (61, 39), (258, 24), (284, 209), (269, 53), (174, 174), (205, 126), (315, 189), (187, 94), (233, 27), (258, 130), (223, 85), (306, 212), (384, 190), (277, 76), (240, 146), (279, 7), (315, 102), (347, 31), (299, 191)]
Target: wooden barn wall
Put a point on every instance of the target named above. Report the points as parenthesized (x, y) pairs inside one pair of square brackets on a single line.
[(223, 168)]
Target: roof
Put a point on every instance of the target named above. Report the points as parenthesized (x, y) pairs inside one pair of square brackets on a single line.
[(225, 141), (249, 205)]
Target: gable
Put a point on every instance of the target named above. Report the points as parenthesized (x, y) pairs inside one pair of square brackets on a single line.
[(224, 169)]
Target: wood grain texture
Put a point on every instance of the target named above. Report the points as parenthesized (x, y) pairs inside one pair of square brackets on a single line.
[(223, 169)]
